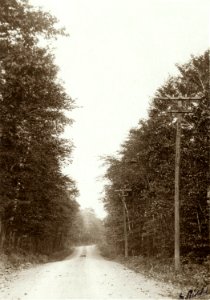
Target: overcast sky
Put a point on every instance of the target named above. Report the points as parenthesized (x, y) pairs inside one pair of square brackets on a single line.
[(118, 53)]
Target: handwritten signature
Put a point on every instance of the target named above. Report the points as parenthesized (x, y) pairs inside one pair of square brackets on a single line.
[(194, 293)]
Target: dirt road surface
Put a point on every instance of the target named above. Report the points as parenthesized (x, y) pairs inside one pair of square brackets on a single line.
[(84, 275)]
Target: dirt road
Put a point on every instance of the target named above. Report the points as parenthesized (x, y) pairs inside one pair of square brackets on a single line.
[(84, 275)]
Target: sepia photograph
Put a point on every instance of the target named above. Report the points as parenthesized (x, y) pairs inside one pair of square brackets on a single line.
[(104, 149)]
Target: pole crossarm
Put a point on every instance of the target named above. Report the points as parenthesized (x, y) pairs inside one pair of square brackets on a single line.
[(124, 192), (180, 98), (19, 202), (181, 111)]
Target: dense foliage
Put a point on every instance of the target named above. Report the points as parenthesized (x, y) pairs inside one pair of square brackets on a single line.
[(146, 164), (37, 201)]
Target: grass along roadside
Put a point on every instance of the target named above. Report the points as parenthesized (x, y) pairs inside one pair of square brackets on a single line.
[(16, 260), (192, 276), (13, 263)]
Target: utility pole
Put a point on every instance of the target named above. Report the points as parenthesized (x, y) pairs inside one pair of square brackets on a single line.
[(176, 192), (208, 203), (179, 113), (124, 193)]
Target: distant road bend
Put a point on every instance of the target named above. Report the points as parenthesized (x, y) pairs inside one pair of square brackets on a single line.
[(84, 275)]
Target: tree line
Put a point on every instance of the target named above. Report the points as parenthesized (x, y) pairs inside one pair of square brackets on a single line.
[(146, 164), (89, 228), (37, 202)]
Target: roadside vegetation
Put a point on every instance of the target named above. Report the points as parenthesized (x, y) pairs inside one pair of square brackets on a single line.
[(37, 202), (145, 164), (191, 276)]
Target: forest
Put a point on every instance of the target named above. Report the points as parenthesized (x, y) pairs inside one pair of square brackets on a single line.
[(38, 209), (37, 202), (145, 167)]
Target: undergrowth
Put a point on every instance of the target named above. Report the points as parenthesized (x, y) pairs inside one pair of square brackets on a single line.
[(191, 276), (21, 259)]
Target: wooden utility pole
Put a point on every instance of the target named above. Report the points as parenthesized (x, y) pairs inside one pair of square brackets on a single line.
[(176, 193), (208, 204), (124, 193), (179, 113), (125, 227)]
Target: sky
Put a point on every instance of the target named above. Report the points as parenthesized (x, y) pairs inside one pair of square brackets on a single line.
[(117, 55)]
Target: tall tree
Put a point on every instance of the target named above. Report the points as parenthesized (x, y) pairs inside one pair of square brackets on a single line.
[(38, 200), (151, 146)]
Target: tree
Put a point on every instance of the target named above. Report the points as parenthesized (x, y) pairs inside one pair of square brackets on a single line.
[(151, 145), (38, 200)]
